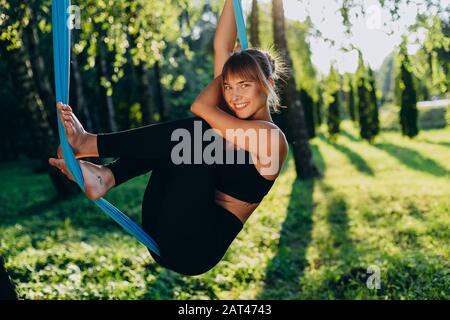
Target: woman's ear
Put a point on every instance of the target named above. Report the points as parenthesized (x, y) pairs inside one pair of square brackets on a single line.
[(272, 82)]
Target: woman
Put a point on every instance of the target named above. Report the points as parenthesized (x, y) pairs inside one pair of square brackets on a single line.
[(195, 211)]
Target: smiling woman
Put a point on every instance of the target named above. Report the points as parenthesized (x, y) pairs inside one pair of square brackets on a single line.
[(194, 226)]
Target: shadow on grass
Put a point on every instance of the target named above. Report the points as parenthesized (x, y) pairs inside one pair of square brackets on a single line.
[(349, 136), (286, 268), (439, 143), (359, 163), (413, 159), (339, 252), (290, 261)]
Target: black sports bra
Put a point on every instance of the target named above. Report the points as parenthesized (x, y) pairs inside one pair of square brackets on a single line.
[(241, 179)]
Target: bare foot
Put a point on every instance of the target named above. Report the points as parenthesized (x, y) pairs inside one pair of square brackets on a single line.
[(77, 137), (98, 180)]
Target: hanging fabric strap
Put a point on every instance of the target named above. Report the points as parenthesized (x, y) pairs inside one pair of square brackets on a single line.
[(240, 23), (61, 53)]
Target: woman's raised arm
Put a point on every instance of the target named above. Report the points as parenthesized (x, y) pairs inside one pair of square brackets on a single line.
[(224, 38)]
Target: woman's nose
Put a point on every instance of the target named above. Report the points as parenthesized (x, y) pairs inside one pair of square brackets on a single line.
[(236, 95)]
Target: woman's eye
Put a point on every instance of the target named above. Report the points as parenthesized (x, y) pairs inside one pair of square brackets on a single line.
[(244, 86)]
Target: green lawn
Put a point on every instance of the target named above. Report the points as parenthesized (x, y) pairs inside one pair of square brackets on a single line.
[(384, 205)]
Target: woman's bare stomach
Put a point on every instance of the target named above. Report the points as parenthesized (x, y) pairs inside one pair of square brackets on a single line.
[(239, 208)]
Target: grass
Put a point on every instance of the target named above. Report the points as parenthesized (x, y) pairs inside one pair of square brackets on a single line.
[(384, 206)]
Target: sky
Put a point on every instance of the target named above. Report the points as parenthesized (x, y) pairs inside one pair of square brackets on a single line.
[(368, 33)]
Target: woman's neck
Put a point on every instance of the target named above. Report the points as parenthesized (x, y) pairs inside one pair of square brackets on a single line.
[(262, 114)]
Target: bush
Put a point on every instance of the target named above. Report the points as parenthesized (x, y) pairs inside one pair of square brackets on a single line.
[(432, 117), (429, 117)]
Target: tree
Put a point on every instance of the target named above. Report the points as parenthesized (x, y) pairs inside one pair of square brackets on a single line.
[(349, 94), (332, 101), (320, 103), (294, 116), (385, 79), (254, 25), (374, 119), (364, 105), (309, 108), (333, 118), (159, 94), (406, 94)]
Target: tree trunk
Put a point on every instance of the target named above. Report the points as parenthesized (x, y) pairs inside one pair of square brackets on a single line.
[(145, 96), (33, 108), (82, 106), (104, 74), (294, 116), (160, 103), (40, 76), (254, 25)]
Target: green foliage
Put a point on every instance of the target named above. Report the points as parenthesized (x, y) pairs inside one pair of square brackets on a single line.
[(265, 24), (375, 121), (299, 49), (429, 117), (334, 118), (406, 95), (432, 61), (348, 89), (385, 79), (309, 108), (332, 101), (367, 102)]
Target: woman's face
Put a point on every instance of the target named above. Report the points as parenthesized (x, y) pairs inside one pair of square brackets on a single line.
[(243, 96)]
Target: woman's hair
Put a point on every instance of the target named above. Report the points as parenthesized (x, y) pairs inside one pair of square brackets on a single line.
[(258, 65)]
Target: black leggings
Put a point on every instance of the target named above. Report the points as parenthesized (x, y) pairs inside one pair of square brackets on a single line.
[(178, 209)]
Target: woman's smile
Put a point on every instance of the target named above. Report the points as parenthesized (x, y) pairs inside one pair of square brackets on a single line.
[(240, 106)]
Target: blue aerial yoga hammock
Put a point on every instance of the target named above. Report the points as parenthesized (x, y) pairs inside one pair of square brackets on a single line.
[(61, 55), (240, 22)]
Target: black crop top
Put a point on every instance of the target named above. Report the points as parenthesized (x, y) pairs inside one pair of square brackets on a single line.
[(242, 180)]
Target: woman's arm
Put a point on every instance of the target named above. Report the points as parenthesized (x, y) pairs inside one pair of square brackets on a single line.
[(244, 134), (224, 38)]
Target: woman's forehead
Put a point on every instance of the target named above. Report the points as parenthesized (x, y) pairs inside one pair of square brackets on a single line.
[(236, 79)]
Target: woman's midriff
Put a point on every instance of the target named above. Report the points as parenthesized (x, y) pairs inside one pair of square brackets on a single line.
[(239, 208)]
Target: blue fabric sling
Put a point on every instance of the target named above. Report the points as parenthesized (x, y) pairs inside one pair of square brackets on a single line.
[(61, 54), (240, 22)]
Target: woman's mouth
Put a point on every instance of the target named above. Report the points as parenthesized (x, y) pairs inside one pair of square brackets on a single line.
[(240, 105)]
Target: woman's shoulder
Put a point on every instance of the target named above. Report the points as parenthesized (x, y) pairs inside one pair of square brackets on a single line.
[(279, 138)]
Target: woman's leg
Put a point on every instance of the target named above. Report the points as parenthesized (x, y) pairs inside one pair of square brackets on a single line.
[(124, 169), (142, 149), (179, 212), (153, 141)]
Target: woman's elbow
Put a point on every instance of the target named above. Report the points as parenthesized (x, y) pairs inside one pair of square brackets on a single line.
[(195, 109)]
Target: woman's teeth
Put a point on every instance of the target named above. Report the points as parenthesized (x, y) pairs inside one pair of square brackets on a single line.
[(241, 105)]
